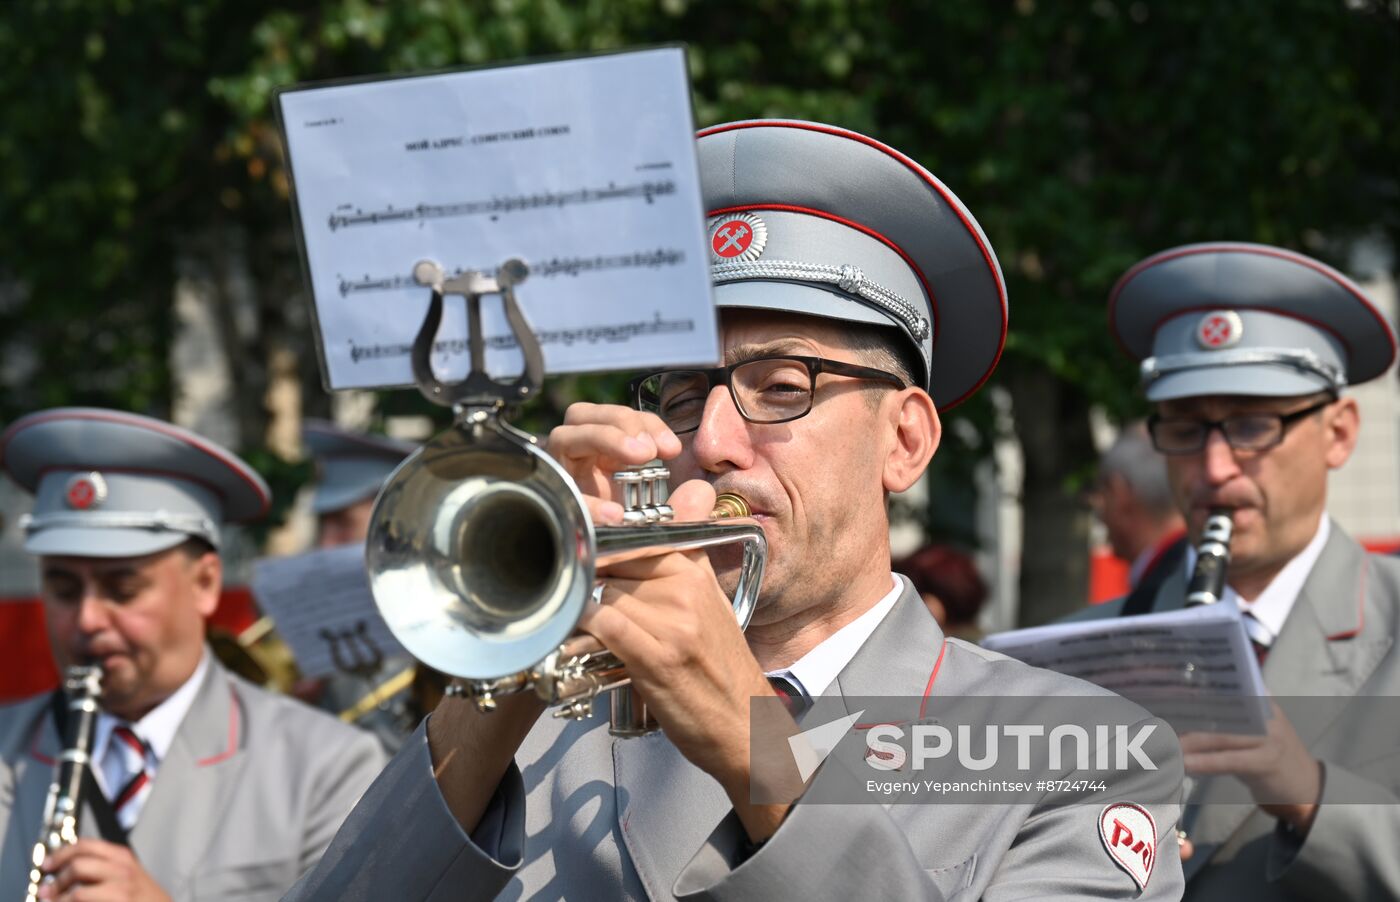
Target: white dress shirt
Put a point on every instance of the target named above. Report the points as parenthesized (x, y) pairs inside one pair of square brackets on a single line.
[(157, 729), (1271, 606), (816, 670)]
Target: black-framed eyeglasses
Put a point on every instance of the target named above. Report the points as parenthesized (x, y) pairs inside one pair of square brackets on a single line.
[(765, 390), (1243, 432)]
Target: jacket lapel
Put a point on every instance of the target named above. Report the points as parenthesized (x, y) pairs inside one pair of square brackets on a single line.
[(1324, 648), (198, 775), (887, 665), (36, 760), (666, 807)]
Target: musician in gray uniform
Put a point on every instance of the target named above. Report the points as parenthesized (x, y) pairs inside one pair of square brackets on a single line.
[(1246, 354), (203, 786), (858, 296), (350, 470)]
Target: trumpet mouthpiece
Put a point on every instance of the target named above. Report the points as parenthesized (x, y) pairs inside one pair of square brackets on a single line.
[(729, 506)]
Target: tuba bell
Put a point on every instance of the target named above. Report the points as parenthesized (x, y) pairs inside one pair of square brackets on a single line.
[(481, 553)]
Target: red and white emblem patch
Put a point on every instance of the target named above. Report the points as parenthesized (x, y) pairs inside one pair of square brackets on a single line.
[(1219, 329), (1130, 835), (737, 237), (85, 491)]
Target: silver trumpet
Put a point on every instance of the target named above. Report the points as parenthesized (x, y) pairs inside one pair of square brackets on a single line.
[(82, 685), (481, 553)]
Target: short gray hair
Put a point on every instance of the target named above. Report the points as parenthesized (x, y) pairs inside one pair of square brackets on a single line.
[(884, 348), (1142, 467)]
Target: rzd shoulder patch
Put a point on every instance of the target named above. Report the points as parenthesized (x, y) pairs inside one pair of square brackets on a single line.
[(1130, 835)]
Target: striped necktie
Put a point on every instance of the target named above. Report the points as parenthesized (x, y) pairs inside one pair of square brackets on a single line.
[(792, 695), (127, 768), (1259, 636)]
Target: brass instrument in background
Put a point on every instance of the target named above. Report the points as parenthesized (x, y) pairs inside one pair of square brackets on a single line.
[(481, 552), (82, 685), (257, 654)]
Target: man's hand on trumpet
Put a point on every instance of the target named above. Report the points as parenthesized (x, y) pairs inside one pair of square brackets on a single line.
[(665, 615)]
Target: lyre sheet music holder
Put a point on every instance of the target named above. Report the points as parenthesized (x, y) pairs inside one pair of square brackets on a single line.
[(584, 168)]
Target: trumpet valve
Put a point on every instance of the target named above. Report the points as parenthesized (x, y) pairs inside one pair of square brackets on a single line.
[(643, 494), (578, 709)]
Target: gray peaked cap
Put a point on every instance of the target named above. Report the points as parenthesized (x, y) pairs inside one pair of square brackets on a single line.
[(113, 484), (814, 219), (350, 466), (1246, 319)]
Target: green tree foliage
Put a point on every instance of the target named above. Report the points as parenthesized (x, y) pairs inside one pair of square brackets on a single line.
[(1082, 135)]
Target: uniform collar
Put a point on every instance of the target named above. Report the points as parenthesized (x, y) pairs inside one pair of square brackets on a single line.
[(816, 670), (160, 724), (1273, 605)]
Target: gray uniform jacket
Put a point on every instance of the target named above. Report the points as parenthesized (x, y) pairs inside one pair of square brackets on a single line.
[(249, 795), (1338, 640), (585, 816)]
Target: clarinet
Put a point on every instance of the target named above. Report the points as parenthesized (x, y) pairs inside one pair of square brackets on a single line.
[(1207, 584), (82, 685)]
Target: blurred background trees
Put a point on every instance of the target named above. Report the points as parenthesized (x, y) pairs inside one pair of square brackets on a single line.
[(140, 168)]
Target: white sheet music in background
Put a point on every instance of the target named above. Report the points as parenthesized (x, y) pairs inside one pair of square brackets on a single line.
[(585, 168), (320, 601), (1194, 668)]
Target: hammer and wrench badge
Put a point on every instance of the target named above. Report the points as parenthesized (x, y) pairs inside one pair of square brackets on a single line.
[(737, 238), (1219, 329), (1130, 835)]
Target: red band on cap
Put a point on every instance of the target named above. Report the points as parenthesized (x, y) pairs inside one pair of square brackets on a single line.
[(928, 179), (214, 451), (1227, 247)]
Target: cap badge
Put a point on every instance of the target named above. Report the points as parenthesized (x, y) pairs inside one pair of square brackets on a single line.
[(737, 238), (1219, 329), (85, 491)]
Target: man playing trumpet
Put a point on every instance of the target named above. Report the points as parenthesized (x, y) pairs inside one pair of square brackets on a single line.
[(857, 296)]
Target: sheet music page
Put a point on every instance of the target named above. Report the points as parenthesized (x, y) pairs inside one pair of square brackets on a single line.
[(322, 606), (585, 168), (1194, 668)]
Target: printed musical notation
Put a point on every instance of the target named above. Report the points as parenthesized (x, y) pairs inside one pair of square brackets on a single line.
[(453, 167), (324, 610), (546, 269), (498, 206), (604, 333)]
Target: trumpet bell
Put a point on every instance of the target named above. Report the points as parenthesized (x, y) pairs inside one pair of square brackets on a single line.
[(478, 553)]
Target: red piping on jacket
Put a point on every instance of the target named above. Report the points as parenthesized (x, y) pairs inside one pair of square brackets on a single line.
[(233, 724), (1360, 609)]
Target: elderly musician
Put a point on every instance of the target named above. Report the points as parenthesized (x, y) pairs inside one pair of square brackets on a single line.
[(202, 786), (857, 296), (1246, 354), (1133, 500)]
